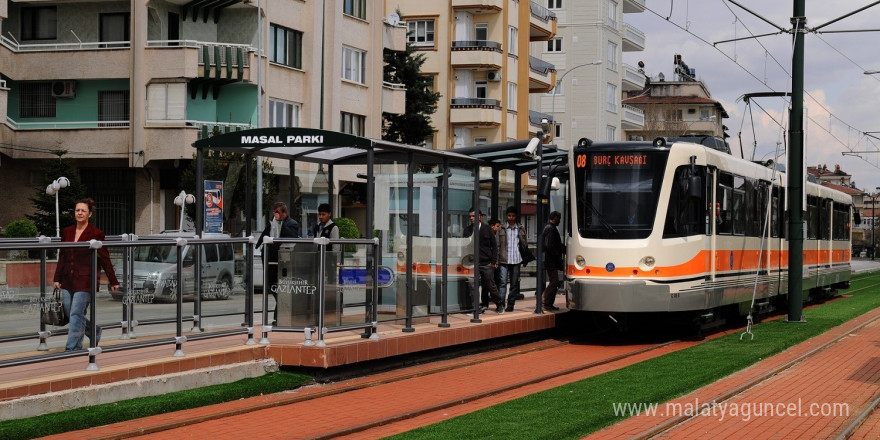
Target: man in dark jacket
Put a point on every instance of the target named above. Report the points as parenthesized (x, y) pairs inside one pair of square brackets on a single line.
[(282, 226), (489, 261), (553, 260)]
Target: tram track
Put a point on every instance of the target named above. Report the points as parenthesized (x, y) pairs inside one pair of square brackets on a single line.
[(310, 394), (666, 427)]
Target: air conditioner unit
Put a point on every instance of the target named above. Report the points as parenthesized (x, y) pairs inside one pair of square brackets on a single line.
[(493, 75), (63, 89)]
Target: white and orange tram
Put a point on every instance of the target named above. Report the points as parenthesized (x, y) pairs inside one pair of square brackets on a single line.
[(681, 227)]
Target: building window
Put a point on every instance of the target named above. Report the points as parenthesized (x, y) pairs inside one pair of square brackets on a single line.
[(354, 64), (355, 8), (353, 124), (285, 46), (612, 13), (481, 89), (481, 140), (421, 32), (554, 45), (36, 101), (283, 114), (556, 90), (114, 27), (113, 106), (511, 96), (39, 23), (704, 114), (166, 102), (554, 4), (672, 115), (612, 56), (557, 129), (611, 99), (481, 31), (610, 133), (512, 41)]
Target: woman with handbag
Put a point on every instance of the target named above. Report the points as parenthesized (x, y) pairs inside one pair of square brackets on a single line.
[(73, 277)]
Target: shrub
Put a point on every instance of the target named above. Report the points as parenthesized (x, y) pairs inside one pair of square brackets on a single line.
[(22, 229), (347, 229)]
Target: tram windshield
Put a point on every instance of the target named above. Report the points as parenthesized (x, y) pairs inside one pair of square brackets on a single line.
[(616, 193)]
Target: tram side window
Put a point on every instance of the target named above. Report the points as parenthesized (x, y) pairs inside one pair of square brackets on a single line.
[(840, 221), (724, 195), (685, 215), (825, 220), (812, 217), (774, 213), (739, 212)]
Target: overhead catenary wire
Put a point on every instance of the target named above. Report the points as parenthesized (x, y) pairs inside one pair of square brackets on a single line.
[(753, 75)]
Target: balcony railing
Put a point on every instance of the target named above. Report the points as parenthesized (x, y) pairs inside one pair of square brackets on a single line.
[(43, 47), (538, 65), (633, 115), (476, 45), (64, 125), (541, 12), (395, 86), (211, 52), (633, 38), (475, 102)]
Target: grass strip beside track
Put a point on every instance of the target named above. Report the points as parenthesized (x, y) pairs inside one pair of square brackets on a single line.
[(580, 408), (98, 415)]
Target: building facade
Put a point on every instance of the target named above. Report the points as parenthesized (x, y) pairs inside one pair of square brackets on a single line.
[(126, 87), (588, 54)]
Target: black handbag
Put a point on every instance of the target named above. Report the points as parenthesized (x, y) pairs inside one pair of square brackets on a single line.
[(525, 253), (52, 310)]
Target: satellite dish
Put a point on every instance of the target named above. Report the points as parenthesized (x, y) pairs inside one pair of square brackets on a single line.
[(393, 19)]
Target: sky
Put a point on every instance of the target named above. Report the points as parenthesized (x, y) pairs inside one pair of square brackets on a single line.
[(841, 101)]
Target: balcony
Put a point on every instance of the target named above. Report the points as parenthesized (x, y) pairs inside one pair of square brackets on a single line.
[(632, 79), (633, 118), (633, 6), (633, 39), (393, 98), (394, 37), (475, 112), (478, 6), (542, 23), (27, 62), (479, 54), (542, 75), (107, 138)]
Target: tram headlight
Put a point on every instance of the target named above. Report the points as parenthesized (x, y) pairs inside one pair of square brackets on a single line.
[(647, 263), (580, 262)]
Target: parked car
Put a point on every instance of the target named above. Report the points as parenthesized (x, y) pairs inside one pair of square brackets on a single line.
[(155, 270)]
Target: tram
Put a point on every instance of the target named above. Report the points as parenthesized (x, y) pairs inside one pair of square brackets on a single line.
[(677, 227)]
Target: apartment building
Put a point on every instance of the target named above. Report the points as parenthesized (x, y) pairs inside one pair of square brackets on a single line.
[(587, 51), (127, 86), (479, 56)]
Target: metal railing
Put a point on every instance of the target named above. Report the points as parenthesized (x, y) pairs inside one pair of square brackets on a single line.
[(476, 45), (64, 125), (475, 102), (44, 47), (538, 65), (393, 86), (541, 12)]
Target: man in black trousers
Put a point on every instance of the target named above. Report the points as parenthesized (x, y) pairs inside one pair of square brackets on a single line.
[(489, 260)]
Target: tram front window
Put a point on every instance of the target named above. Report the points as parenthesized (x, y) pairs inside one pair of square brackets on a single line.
[(618, 193)]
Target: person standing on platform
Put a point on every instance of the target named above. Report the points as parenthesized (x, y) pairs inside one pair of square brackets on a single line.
[(73, 274), (281, 226), (489, 261), (325, 226), (510, 235), (553, 260), (469, 229)]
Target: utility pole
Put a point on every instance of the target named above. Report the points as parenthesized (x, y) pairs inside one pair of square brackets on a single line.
[(796, 169)]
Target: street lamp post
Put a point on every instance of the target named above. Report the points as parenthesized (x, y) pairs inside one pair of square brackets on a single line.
[(183, 199), (559, 81), (52, 190)]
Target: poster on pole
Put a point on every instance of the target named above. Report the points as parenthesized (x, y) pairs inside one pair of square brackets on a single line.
[(213, 206)]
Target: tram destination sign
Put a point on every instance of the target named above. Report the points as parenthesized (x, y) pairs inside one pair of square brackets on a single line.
[(612, 160)]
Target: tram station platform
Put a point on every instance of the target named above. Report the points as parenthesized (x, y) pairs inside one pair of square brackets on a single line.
[(131, 368)]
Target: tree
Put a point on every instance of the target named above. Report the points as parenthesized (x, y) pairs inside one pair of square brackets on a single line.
[(44, 204), (414, 125), (230, 169)]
